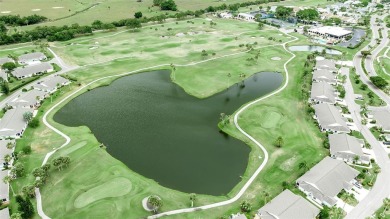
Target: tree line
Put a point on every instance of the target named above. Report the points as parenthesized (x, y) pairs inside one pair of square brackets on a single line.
[(16, 20), (67, 32)]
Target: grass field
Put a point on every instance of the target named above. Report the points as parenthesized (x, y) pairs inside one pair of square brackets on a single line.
[(374, 101), (65, 12), (72, 192)]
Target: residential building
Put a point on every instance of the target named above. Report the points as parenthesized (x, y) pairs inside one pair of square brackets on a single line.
[(247, 17), (287, 205), (326, 64), (330, 119), (31, 58), (346, 148), (325, 180), (32, 70), (324, 75), (330, 31), (322, 92), (382, 118), (29, 99), (12, 125), (51, 84), (5, 60)]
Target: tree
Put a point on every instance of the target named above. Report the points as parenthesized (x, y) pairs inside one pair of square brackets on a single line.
[(386, 203), (25, 207), (303, 165), (34, 123), (29, 191), (17, 170), (5, 87), (26, 149), (155, 202), (279, 142), (7, 180), (356, 158), (16, 215), (27, 116), (245, 206), (168, 5), (192, 199), (133, 24), (10, 145), (8, 66), (379, 81), (138, 14), (309, 14), (365, 53), (324, 213), (260, 25), (157, 2), (283, 12), (204, 53)]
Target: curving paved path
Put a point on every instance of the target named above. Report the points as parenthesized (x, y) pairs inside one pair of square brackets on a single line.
[(232, 200), (381, 188)]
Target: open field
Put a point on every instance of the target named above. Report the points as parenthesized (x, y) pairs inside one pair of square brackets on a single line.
[(65, 12), (168, 41)]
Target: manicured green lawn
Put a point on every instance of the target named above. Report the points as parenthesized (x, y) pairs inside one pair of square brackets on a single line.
[(357, 88), (71, 193)]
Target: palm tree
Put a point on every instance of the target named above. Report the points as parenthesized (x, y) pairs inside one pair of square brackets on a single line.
[(279, 142), (173, 68), (266, 195), (303, 165), (156, 202), (7, 180), (10, 145), (192, 198), (386, 203), (16, 216), (356, 158)]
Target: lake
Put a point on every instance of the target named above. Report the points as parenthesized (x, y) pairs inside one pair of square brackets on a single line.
[(162, 133), (310, 48)]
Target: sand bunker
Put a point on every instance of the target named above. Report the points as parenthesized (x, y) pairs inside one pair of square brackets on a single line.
[(57, 7), (35, 9), (93, 47), (276, 58), (6, 12), (319, 58), (180, 34)]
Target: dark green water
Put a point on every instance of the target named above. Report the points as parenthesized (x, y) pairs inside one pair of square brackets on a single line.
[(159, 131)]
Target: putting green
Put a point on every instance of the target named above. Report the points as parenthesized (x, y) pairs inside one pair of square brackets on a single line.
[(114, 188), (270, 119)]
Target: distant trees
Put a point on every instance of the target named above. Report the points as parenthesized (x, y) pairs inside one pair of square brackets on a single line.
[(16, 20), (61, 162), (133, 24), (168, 5), (245, 206), (283, 12), (379, 82), (309, 14)]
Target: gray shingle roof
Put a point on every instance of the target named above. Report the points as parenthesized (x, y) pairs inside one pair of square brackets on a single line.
[(4, 213), (330, 118), (326, 64), (12, 123), (346, 147), (382, 118), (51, 83), (32, 69), (326, 179), (324, 75), (5, 59), (287, 205), (27, 99), (323, 92), (31, 57)]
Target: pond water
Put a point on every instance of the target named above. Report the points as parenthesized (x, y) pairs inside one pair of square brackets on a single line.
[(162, 133), (310, 48)]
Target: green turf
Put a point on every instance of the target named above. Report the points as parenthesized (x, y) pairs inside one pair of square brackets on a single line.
[(111, 189), (91, 166)]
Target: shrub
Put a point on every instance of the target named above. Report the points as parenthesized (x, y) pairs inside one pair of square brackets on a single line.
[(27, 150), (34, 123)]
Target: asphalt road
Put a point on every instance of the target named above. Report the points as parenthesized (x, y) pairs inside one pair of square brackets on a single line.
[(381, 188)]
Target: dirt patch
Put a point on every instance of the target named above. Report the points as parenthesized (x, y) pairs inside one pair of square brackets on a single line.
[(288, 165)]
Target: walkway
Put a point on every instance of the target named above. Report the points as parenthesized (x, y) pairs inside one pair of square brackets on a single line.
[(230, 201)]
